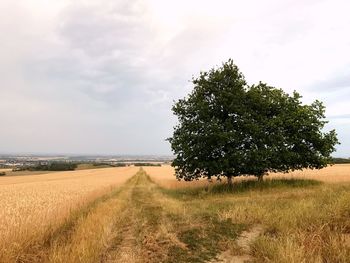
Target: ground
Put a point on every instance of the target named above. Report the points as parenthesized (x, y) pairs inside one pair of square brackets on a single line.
[(150, 217)]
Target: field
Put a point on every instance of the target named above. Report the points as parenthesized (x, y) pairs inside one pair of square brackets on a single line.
[(21, 173), (131, 215), (332, 174), (5, 170), (33, 205)]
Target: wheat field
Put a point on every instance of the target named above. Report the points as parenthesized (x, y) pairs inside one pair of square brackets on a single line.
[(132, 214), (46, 200), (5, 170), (339, 173)]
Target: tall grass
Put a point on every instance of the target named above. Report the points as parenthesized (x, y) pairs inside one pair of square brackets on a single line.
[(301, 224), (303, 220), (242, 186)]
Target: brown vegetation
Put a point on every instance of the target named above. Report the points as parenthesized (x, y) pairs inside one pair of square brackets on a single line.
[(302, 220)]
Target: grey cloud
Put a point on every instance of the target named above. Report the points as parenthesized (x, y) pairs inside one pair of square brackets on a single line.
[(102, 77), (340, 116), (105, 32), (101, 80), (89, 63), (334, 83)]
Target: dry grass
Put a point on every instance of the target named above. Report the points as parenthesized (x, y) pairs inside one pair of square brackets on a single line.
[(300, 225), (30, 205), (301, 222), (80, 216)]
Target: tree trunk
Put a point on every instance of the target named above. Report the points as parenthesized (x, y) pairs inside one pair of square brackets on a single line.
[(229, 180)]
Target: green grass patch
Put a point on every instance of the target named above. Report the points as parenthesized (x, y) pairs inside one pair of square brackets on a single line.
[(239, 187), (261, 186), (204, 241)]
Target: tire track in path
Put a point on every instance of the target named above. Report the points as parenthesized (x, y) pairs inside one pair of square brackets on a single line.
[(140, 236), (140, 223)]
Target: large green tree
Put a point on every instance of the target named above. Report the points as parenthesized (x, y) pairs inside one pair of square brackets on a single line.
[(227, 128)]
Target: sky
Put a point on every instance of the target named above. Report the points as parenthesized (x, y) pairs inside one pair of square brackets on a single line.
[(100, 77)]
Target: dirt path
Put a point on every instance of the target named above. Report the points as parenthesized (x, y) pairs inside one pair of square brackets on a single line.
[(121, 248), (243, 245), (247, 237), (155, 229), (140, 237), (140, 223)]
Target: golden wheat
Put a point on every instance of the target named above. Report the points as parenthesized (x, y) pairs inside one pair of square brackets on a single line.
[(165, 176), (5, 170), (31, 204)]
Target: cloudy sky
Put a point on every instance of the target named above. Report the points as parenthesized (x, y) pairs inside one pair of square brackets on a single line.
[(99, 77)]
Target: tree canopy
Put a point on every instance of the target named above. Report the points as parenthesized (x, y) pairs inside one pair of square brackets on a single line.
[(228, 128)]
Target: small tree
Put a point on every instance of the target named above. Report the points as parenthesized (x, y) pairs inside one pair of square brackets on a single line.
[(227, 128)]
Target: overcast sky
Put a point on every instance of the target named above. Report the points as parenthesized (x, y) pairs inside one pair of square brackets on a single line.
[(99, 77)]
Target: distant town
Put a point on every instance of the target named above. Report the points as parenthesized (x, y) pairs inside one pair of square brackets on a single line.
[(23, 162)]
